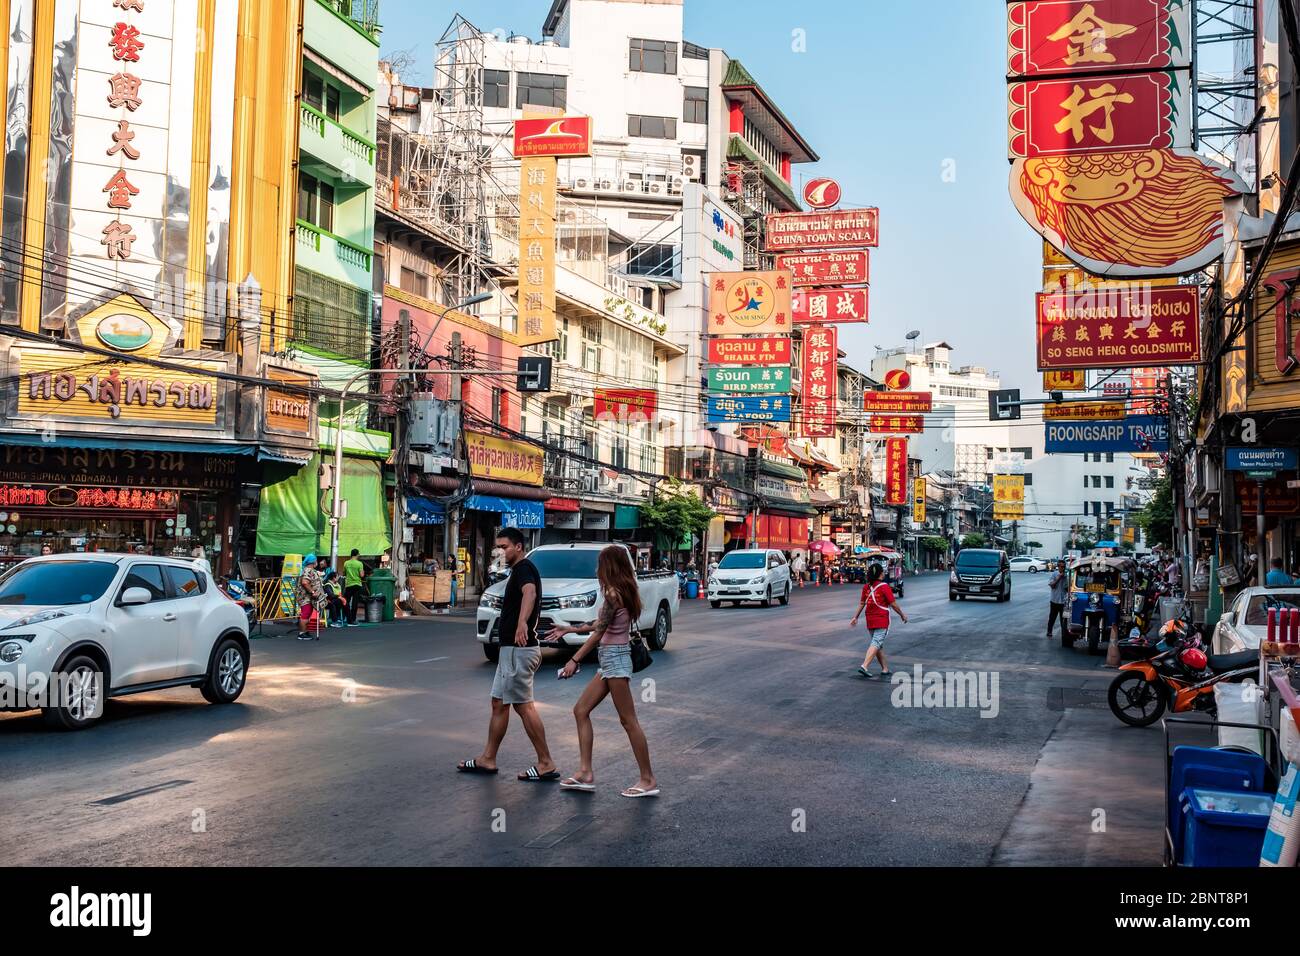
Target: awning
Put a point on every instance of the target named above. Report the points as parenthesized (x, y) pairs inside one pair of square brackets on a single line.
[(820, 458), (514, 513), (73, 440), (818, 497), (293, 514), (608, 507), (800, 452), (424, 511), (781, 470), (627, 517)]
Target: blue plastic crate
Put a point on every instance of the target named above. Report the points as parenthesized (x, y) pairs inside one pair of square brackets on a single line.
[(1223, 827)]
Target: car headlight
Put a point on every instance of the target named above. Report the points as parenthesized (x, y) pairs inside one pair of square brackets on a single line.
[(11, 652), (490, 601), (996, 578), (40, 617), (1094, 600), (758, 580), (952, 577), (578, 600)]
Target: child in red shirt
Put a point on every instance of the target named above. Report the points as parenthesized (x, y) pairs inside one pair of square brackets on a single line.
[(877, 599)]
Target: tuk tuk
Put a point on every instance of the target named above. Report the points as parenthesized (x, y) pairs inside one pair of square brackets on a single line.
[(1101, 597), (892, 562)]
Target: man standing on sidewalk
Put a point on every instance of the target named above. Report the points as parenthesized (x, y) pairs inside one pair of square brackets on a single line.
[(354, 573), (518, 658), (1060, 585)]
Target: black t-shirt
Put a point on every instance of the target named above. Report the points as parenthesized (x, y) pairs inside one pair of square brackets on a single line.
[(524, 572)]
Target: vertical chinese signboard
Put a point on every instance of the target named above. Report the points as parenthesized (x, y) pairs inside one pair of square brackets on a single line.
[(918, 501), (1008, 497), (896, 471), (820, 387)]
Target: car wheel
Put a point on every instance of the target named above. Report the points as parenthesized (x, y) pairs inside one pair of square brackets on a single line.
[(785, 598), (715, 604), (227, 675), (767, 601), (951, 596), (492, 652), (81, 693), (659, 638), (1033, 569)]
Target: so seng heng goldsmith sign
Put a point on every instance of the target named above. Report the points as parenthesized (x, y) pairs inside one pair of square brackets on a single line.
[(1119, 328)]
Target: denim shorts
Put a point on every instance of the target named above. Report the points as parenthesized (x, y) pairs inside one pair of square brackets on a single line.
[(878, 635), (615, 660)]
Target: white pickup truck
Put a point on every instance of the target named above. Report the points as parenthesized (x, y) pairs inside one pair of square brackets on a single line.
[(571, 596)]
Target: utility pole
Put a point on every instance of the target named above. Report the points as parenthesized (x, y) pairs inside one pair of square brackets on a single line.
[(453, 514), (401, 395)]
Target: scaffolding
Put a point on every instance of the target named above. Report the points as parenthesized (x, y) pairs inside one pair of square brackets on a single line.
[(746, 193), (1224, 78)]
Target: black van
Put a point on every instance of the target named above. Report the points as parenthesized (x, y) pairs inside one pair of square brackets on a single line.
[(980, 572)]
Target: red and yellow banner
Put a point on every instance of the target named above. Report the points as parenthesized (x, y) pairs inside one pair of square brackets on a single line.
[(843, 228), (1009, 489), (625, 404), (893, 403), (501, 458), (1085, 411), (1066, 380), (742, 302), (1046, 37), (817, 306), (896, 471), (820, 381), (1119, 328), (897, 424), (553, 136), (537, 194), (770, 350), (851, 267)]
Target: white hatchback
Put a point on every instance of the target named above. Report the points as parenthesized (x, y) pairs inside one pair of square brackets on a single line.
[(1245, 623), (1032, 565), (750, 575), (76, 629)]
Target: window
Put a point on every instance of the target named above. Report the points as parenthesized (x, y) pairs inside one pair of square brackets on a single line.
[(316, 202), (1110, 481), (149, 577), (653, 56), (56, 582), (696, 107), (497, 406), (184, 582), (652, 127), (693, 51), (496, 88), (321, 96), (414, 282), (333, 102), (541, 89), (1110, 457), (657, 260), (1029, 479)]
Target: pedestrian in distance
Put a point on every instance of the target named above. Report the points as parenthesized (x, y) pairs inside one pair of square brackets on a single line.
[(334, 606), (1059, 585), (309, 594), (610, 638), (354, 589), (519, 656), (799, 565), (877, 601), (1277, 578)]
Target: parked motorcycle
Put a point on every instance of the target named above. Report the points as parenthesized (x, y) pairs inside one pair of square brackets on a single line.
[(236, 590), (1180, 678)]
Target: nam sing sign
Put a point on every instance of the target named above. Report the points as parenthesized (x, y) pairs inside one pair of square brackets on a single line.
[(823, 230), (1119, 328), (895, 403)]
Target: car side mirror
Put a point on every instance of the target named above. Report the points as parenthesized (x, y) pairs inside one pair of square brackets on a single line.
[(1226, 619), (132, 597)]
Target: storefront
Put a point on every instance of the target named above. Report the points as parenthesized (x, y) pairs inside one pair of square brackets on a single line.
[(784, 518)]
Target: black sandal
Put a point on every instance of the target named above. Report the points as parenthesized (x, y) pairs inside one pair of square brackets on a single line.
[(531, 775), (469, 766)]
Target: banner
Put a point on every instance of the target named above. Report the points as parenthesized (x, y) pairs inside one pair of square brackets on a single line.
[(1009, 489), (753, 380), (1119, 328), (1046, 37), (896, 471), (898, 402), (749, 408), (844, 228), (549, 136), (1085, 411), (536, 295), (742, 302), (1066, 380), (815, 306), (851, 267), (820, 381), (770, 350), (1137, 433), (918, 501), (896, 424), (1008, 512), (625, 404), (503, 459)]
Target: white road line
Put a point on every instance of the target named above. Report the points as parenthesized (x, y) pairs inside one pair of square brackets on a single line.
[(430, 660)]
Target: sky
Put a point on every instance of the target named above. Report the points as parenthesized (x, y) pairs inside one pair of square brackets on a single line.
[(907, 112)]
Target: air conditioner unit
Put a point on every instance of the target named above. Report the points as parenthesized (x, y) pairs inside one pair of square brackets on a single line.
[(656, 188), (691, 166), (605, 184), (631, 186), (580, 184), (677, 185)]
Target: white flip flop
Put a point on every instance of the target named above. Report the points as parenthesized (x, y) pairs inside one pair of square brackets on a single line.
[(636, 792), (570, 783)]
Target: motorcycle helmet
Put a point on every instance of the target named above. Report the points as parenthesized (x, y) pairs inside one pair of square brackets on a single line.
[(1194, 659)]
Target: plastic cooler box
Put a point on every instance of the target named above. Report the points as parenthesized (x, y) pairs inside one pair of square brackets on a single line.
[(1224, 827)]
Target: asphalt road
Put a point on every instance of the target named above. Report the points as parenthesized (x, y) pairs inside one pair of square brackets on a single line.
[(343, 752)]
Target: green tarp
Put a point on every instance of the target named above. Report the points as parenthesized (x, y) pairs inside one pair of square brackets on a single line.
[(293, 517), (627, 517)]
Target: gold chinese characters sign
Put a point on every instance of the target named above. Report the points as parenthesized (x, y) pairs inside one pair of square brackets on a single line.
[(537, 191), (741, 302), (503, 459), (918, 501), (1009, 489)]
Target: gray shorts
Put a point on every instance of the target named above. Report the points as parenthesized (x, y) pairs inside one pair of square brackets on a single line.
[(878, 636), (615, 660), (513, 683)]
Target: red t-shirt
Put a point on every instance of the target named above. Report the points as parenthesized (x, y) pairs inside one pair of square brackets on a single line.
[(877, 597)]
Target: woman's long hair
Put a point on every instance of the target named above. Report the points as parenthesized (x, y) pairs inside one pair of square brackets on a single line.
[(615, 573), (874, 573)]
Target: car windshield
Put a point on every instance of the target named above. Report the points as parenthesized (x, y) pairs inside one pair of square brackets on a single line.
[(1257, 610), (565, 563), (57, 582), (743, 560), (1107, 579), (979, 559)]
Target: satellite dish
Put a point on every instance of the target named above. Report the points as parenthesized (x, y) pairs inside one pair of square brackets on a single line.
[(913, 335)]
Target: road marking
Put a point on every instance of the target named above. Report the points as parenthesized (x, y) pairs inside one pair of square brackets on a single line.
[(409, 722), (708, 743), (143, 791), (430, 660), (565, 830)]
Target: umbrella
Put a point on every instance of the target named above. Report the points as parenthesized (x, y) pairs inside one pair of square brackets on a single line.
[(825, 547)]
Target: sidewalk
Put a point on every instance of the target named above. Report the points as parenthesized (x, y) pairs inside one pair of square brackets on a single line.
[(288, 628)]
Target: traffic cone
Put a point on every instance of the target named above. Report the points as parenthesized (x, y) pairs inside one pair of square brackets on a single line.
[(1112, 650)]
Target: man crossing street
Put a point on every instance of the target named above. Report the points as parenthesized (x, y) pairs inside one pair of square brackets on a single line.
[(1060, 587)]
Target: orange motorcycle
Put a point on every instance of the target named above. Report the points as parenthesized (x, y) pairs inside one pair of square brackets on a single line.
[(1181, 678)]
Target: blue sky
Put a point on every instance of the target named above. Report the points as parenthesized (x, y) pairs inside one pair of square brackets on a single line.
[(890, 100)]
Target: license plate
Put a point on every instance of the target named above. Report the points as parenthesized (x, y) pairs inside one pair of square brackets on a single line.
[(974, 590)]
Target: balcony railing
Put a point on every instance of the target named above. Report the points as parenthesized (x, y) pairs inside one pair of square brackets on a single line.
[(351, 262)]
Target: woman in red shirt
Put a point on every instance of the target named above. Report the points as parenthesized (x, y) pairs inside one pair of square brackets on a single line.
[(877, 599)]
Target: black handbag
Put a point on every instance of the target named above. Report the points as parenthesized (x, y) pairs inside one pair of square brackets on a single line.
[(639, 649)]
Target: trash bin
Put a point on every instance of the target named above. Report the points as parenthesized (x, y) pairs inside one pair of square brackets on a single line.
[(1224, 827), (383, 584), (376, 605), (692, 590)]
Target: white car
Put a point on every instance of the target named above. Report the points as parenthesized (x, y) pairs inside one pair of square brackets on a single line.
[(76, 629), (1032, 565), (1245, 624), (750, 575), (571, 597)]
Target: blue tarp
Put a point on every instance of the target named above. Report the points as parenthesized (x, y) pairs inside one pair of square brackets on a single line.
[(422, 511), (514, 513)]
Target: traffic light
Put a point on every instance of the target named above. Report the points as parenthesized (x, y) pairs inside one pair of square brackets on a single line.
[(999, 410), (534, 373)]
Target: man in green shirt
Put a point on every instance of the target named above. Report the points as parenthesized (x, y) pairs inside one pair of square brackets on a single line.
[(354, 573)]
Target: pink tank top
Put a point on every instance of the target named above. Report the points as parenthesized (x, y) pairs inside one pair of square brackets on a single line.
[(619, 630)]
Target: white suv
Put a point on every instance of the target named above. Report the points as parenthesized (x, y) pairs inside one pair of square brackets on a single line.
[(750, 575), (76, 629)]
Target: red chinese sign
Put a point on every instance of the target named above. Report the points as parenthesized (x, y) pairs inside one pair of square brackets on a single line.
[(845, 228), (1278, 498), (827, 268), (768, 350), (896, 471), (569, 136), (1046, 37), (88, 497), (829, 305), (124, 93), (625, 404), (820, 385), (897, 424), (895, 403), (1119, 328)]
